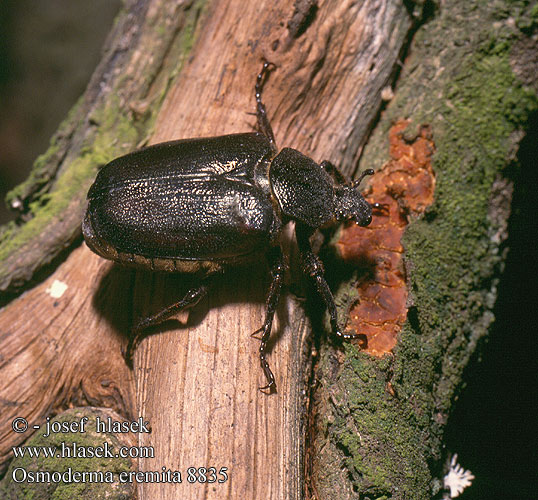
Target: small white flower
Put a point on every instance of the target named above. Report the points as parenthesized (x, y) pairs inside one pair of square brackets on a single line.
[(457, 478)]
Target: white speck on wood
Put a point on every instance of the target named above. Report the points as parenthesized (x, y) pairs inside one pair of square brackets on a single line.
[(57, 289)]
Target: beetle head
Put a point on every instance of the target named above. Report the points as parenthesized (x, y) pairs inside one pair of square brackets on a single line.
[(351, 205)]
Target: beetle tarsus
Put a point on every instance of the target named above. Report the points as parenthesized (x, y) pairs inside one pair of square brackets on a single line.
[(381, 209), (264, 126), (276, 261)]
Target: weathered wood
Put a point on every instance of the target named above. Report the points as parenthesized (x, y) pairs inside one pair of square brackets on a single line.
[(145, 46), (59, 349), (199, 387)]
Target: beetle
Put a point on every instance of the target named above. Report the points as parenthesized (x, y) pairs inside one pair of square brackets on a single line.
[(204, 205)]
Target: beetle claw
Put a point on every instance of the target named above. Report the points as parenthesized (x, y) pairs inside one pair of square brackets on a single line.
[(255, 335), (381, 208), (127, 353), (268, 389)]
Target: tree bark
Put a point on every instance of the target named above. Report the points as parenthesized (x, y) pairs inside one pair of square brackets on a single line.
[(465, 88), (372, 426)]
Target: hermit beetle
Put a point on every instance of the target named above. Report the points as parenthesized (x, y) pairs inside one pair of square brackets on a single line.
[(204, 205)]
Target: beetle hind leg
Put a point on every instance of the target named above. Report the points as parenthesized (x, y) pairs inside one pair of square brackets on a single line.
[(263, 122), (277, 273), (191, 298)]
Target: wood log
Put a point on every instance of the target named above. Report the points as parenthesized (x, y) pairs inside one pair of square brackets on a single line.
[(197, 384)]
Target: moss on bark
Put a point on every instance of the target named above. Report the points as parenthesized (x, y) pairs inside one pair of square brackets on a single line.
[(458, 79)]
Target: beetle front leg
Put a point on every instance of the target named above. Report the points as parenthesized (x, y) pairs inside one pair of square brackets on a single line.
[(276, 262), (313, 267), (191, 298)]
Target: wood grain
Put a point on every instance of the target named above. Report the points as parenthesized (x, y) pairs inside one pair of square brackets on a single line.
[(62, 351)]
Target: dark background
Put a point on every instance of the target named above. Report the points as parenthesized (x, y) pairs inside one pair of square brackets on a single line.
[(493, 425), (48, 49)]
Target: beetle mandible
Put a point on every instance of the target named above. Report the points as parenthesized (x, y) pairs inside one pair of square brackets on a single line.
[(204, 205)]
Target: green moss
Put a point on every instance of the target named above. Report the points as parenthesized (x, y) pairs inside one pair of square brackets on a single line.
[(39, 176), (367, 418), (453, 256), (458, 80), (45, 165)]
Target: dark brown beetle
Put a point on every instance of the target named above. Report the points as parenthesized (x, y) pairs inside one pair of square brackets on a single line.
[(203, 205)]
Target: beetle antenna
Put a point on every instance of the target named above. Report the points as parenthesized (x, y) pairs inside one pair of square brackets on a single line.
[(356, 183)]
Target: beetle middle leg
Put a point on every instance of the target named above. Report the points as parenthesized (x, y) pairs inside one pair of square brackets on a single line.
[(276, 262), (190, 299), (313, 267)]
